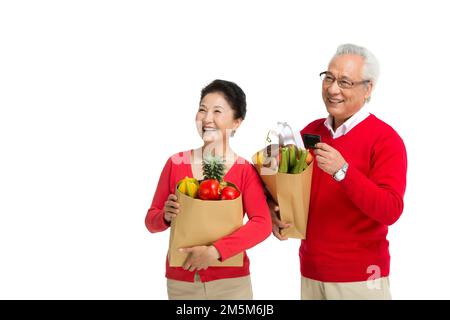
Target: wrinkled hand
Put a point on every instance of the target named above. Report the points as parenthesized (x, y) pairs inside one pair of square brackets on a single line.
[(328, 159), (200, 257), (171, 208), (277, 224)]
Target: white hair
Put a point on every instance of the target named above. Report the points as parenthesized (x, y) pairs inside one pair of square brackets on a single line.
[(371, 69)]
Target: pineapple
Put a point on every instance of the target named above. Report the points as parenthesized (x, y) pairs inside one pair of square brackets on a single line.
[(213, 168)]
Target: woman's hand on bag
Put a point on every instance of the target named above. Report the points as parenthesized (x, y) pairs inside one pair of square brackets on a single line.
[(277, 224), (200, 257), (171, 208)]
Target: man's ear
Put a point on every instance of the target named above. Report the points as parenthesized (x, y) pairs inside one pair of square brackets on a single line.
[(368, 93)]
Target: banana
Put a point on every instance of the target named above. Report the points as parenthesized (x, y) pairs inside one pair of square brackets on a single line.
[(260, 158)]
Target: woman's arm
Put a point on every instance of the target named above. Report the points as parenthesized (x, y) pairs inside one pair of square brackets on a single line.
[(154, 220)]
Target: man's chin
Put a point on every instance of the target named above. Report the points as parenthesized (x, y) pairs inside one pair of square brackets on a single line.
[(332, 108)]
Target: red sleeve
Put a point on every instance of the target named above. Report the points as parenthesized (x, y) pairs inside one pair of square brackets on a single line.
[(259, 224), (154, 220), (380, 195)]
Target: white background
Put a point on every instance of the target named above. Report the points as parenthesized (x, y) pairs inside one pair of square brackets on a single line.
[(96, 95)]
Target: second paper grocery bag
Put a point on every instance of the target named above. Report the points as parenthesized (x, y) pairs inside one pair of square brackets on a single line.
[(290, 191), (293, 192)]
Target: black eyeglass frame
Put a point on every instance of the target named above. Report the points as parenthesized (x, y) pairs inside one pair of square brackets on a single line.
[(339, 81)]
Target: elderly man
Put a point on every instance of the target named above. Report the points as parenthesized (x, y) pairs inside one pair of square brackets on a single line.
[(357, 188)]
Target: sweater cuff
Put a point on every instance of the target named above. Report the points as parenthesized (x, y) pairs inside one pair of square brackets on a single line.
[(165, 223), (162, 223), (222, 250)]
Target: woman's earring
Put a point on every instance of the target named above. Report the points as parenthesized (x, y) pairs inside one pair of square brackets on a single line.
[(233, 132)]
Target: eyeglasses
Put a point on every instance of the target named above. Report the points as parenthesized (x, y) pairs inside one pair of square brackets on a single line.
[(328, 78)]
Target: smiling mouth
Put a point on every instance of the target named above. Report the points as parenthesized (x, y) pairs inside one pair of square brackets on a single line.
[(209, 130), (335, 101)]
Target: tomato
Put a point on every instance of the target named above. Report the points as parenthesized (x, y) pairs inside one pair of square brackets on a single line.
[(209, 190), (229, 193)]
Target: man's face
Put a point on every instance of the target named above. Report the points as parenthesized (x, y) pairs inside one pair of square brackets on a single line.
[(343, 103)]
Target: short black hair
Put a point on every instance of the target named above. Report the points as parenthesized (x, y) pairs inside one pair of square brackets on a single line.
[(234, 95)]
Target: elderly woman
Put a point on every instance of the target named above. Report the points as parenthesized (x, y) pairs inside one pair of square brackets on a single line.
[(221, 111)]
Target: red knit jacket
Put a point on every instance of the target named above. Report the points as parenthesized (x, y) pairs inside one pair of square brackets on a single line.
[(257, 228), (348, 220)]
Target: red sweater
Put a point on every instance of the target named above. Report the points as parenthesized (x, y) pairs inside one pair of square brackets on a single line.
[(257, 228), (348, 220)]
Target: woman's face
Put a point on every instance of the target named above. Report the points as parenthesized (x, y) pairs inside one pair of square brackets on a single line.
[(215, 118)]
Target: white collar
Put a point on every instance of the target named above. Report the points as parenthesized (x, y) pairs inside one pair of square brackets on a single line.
[(348, 125)]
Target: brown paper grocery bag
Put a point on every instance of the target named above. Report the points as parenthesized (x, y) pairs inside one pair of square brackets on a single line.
[(201, 222), (291, 192)]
